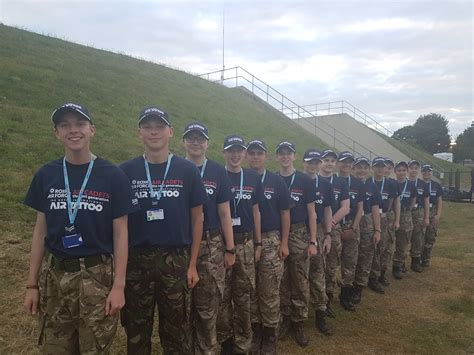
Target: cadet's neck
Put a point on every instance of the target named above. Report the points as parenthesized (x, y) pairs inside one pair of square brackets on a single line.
[(311, 175), (260, 170), (344, 174), (197, 160), (378, 177), (287, 171), (78, 157), (324, 174), (157, 156), (233, 169)]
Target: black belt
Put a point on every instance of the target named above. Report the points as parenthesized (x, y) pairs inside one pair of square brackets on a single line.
[(210, 234), (297, 226), (74, 265), (241, 238)]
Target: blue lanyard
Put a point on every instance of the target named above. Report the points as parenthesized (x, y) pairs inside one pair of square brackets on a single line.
[(404, 189), (317, 182), (430, 187), (264, 174), (292, 180), (203, 168), (150, 185), (332, 177), (383, 184), (73, 209), (240, 191)]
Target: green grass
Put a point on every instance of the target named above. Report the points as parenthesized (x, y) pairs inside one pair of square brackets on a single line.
[(40, 73)]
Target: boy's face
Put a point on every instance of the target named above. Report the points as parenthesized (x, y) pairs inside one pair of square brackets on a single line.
[(361, 170), (328, 165), (427, 175), (286, 157), (74, 131), (256, 158), (379, 170), (345, 166), (155, 134), (401, 172), (195, 144), (413, 171), (311, 167), (388, 170), (234, 157)]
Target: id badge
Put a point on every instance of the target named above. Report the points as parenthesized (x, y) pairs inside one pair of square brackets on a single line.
[(155, 215), (416, 205), (72, 241), (431, 205), (236, 221), (380, 210)]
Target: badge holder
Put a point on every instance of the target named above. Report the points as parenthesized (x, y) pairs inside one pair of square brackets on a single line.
[(236, 221), (155, 213), (72, 239)]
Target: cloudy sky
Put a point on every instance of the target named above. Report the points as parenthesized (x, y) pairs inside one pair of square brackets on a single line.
[(394, 60)]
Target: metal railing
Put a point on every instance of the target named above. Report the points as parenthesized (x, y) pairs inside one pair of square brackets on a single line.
[(239, 77)]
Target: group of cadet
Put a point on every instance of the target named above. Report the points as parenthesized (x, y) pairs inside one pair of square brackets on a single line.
[(231, 257)]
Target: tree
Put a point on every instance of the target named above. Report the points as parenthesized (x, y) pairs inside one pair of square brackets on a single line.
[(430, 132), (464, 148)]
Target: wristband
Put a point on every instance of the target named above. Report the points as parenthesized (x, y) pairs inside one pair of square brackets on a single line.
[(32, 287), (257, 244), (230, 251), (313, 243)]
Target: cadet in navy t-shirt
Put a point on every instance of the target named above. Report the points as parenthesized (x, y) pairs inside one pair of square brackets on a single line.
[(213, 260), (82, 203), (165, 236)]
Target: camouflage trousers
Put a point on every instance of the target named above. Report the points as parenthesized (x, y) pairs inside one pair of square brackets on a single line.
[(233, 319), (207, 295), (366, 251), (294, 288), (418, 233), (72, 308), (269, 271), (158, 277), (402, 238), (387, 250), (317, 278), (380, 248), (333, 259), (349, 255), (430, 235)]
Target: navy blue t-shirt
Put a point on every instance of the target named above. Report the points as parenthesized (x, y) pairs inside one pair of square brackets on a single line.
[(388, 190), (277, 199), (107, 196), (356, 192), (371, 196), (341, 191), (302, 191), (218, 189), (251, 195), (407, 192), (435, 190), (182, 190), (324, 197), (422, 191)]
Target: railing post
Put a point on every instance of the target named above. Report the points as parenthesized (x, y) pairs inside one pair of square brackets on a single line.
[(267, 92), (236, 77), (253, 84), (334, 137)]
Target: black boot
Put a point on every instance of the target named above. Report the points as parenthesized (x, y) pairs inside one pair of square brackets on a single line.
[(376, 286), (256, 339), (268, 341), (284, 327), (356, 294), (226, 347), (345, 298), (299, 334), (397, 272), (382, 279), (329, 312), (416, 265), (321, 323), (403, 268), (425, 258)]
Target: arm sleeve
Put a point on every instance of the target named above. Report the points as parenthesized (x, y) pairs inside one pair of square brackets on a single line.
[(309, 190), (35, 197), (259, 196), (283, 195), (198, 191), (344, 190), (329, 200), (122, 199), (224, 192)]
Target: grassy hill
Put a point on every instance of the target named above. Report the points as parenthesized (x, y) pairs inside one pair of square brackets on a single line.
[(40, 73)]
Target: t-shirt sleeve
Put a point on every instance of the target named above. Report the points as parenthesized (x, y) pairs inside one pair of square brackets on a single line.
[(426, 191), (360, 193), (344, 190), (376, 197), (35, 197), (259, 196), (123, 201), (309, 190), (283, 195), (439, 192), (413, 191), (198, 191), (329, 200), (224, 192)]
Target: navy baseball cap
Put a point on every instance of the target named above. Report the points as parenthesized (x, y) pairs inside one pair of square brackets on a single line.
[(196, 127), (345, 155), (414, 161), (233, 141), (426, 167), (361, 160), (401, 162), (389, 161), (257, 143), (286, 144), (154, 112), (312, 154), (379, 161), (327, 153), (70, 107)]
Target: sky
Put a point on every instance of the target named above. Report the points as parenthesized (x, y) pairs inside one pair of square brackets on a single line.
[(393, 60)]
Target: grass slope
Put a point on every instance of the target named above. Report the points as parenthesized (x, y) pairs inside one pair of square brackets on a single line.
[(40, 73)]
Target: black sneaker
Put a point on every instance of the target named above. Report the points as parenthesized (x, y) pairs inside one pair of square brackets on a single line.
[(397, 272), (299, 334), (321, 324), (345, 298), (356, 294), (416, 265), (376, 286)]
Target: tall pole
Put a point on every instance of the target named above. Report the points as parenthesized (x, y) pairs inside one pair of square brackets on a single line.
[(223, 42)]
